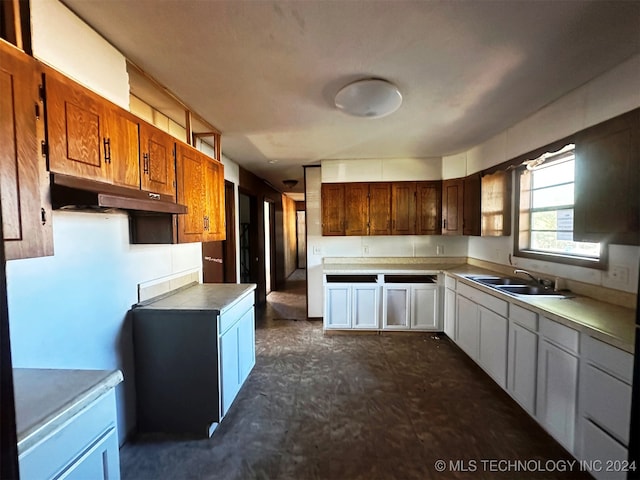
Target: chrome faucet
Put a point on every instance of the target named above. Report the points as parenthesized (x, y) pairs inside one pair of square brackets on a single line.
[(546, 283)]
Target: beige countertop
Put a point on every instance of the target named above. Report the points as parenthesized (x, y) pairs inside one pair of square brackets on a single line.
[(47, 398), (387, 268), (610, 323), (216, 297)]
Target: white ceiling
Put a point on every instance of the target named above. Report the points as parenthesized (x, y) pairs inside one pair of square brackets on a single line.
[(265, 72)]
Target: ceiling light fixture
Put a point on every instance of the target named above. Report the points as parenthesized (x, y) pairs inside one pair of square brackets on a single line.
[(290, 183), (370, 98)]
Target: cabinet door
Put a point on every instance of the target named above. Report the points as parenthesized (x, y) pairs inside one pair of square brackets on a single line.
[(493, 345), (356, 208), (468, 326), (522, 366), (496, 204), (379, 208), (424, 307), (214, 220), (100, 462), (122, 147), (190, 191), (365, 306), (76, 129), (452, 204), (396, 307), (471, 205), (157, 150), (557, 392), (428, 208), (26, 210), (403, 208), (337, 309), (246, 344), (332, 196), (607, 174), (229, 368), (599, 446), (450, 313)]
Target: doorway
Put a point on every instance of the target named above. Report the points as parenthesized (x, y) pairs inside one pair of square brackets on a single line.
[(267, 247), (244, 216), (219, 258)]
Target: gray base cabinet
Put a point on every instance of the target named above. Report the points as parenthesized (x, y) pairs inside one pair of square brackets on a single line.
[(193, 352)]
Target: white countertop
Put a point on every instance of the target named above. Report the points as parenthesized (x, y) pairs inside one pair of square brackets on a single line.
[(47, 398)]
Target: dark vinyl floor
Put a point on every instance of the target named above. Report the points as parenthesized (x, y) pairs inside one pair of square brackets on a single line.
[(355, 407)]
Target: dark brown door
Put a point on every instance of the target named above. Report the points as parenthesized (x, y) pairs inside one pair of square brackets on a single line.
[(471, 205), (212, 262), (403, 208), (356, 208), (428, 208), (452, 202), (379, 208), (229, 245)]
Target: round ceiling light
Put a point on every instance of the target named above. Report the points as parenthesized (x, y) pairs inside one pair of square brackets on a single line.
[(370, 98)]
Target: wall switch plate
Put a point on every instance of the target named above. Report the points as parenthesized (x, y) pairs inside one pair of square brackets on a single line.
[(365, 249), (619, 274), (439, 249), (317, 250)]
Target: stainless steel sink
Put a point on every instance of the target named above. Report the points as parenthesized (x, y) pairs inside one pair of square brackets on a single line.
[(517, 287)]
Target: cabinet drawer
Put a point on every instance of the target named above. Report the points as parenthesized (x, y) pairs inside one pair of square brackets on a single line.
[(488, 301), (607, 401), (74, 440), (608, 358), (600, 446), (559, 334), (524, 317), (450, 282), (228, 317)]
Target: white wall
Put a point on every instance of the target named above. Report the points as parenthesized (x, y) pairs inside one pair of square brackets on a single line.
[(68, 311), (607, 96)]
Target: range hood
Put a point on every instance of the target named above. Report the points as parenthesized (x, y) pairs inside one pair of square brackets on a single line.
[(79, 193)]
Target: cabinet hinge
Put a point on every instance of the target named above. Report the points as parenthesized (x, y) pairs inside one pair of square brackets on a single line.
[(43, 148)]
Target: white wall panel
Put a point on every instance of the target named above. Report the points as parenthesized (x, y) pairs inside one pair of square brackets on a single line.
[(454, 166)]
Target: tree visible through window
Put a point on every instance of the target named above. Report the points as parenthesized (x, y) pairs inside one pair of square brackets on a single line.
[(546, 208)]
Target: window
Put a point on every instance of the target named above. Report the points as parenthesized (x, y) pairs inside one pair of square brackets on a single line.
[(545, 220)]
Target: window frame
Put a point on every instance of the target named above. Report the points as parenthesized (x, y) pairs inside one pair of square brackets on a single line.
[(566, 259)]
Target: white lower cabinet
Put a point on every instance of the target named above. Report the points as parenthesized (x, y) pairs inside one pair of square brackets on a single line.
[(557, 387), (522, 366), (84, 447), (605, 407), (352, 305), (424, 306), (410, 306), (396, 307), (468, 327), (493, 344), (450, 313)]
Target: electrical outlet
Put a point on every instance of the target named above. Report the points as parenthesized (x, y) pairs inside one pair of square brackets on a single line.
[(365, 249), (317, 250), (619, 274)]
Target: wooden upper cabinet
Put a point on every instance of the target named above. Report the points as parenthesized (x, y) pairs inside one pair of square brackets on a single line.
[(158, 160), (332, 198), (452, 206), (89, 137), (356, 208), (403, 208), (471, 205), (607, 175), (214, 210), (24, 181), (496, 204), (428, 208), (190, 167), (380, 208)]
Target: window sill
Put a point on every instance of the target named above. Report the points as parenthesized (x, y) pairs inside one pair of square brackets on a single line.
[(597, 264)]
